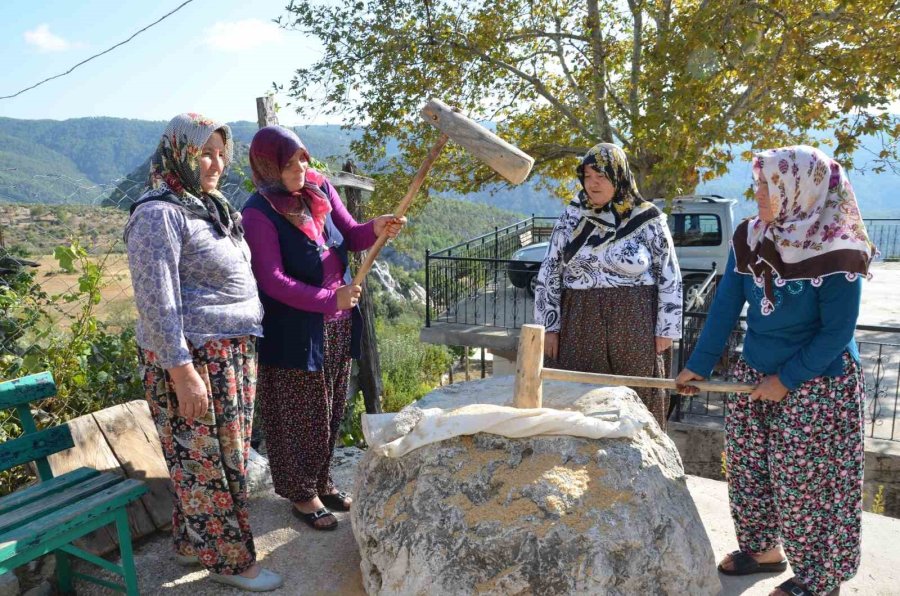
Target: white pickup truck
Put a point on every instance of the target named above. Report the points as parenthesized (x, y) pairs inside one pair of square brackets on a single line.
[(701, 227)]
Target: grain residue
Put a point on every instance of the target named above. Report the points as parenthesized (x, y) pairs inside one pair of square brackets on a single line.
[(390, 506), (569, 482)]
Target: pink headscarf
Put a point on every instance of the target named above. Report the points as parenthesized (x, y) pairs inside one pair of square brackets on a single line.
[(270, 151)]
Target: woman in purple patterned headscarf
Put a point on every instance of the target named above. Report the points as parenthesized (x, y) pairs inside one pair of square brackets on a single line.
[(299, 234)]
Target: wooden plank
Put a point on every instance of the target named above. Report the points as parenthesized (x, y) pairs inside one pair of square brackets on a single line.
[(49, 504), (91, 450), (30, 447), (349, 180), (369, 362), (131, 434), (69, 518), (26, 389), (23, 497), (529, 360)]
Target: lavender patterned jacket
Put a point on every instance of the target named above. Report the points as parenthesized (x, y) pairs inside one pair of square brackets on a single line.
[(191, 285)]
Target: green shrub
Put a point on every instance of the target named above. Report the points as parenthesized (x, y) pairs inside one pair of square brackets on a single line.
[(94, 366)]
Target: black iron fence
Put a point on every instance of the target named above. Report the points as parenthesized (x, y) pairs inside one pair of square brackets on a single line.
[(477, 282), (885, 234)]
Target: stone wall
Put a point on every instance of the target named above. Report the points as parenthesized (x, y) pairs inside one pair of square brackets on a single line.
[(701, 450)]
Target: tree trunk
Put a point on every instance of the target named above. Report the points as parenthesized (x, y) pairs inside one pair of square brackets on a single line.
[(369, 363)]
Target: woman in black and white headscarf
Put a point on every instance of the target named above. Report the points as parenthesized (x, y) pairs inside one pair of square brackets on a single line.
[(609, 291)]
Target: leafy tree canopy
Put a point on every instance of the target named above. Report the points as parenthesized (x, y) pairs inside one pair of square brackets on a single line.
[(677, 83)]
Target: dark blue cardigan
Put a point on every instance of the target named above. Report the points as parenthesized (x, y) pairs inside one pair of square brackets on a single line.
[(294, 338)]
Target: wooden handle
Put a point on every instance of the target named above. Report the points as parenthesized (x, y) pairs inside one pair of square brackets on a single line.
[(401, 209), (529, 362), (556, 374)]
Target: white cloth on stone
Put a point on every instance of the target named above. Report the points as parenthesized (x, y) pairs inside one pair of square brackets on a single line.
[(395, 435)]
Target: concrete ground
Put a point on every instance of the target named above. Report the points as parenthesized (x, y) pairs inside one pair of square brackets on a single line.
[(319, 563)]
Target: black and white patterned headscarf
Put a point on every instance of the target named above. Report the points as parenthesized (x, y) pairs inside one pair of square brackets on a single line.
[(627, 212)]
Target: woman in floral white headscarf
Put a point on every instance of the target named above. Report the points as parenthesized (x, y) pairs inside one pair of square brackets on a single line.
[(794, 446), (198, 319), (609, 291)]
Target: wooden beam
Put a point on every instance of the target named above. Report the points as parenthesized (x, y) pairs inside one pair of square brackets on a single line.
[(529, 363), (265, 111), (131, 435), (369, 362), (349, 180)]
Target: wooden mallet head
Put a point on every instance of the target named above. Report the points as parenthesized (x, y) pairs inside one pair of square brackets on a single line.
[(507, 160)]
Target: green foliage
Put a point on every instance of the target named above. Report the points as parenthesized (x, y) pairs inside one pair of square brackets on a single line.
[(444, 222), (676, 83), (94, 366), (409, 370)]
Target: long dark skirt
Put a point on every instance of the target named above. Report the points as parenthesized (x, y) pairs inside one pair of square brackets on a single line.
[(207, 456), (302, 413), (613, 331), (795, 473)]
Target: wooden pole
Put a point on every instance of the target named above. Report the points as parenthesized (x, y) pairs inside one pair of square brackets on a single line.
[(529, 362), (265, 111), (401, 209), (555, 374), (369, 361)]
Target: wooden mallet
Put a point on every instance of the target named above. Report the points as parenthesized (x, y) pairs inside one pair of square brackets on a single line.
[(530, 373), (507, 160)]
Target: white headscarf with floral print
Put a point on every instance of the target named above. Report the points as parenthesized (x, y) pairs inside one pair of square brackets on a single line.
[(818, 229)]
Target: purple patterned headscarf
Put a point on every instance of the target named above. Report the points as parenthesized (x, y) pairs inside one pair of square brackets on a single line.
[(270, 151)]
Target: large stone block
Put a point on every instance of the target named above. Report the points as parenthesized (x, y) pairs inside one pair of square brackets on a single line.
[(539, 515)]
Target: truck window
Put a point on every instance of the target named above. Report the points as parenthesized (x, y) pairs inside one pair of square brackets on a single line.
[(695, 229)]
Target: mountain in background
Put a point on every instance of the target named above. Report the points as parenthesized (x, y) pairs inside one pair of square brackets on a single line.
[(104, 161)]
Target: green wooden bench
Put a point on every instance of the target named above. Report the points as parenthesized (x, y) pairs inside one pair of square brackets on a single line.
[(48, 516)]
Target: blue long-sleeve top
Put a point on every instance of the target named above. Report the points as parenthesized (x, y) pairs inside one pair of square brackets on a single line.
[(803, 338)]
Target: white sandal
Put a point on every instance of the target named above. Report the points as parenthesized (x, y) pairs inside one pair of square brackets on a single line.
[(266, 581)]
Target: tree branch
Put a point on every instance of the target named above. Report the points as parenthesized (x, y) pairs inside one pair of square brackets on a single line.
[(565, 67), (636, 54), (534, 34), (536, 82), (598, 62)]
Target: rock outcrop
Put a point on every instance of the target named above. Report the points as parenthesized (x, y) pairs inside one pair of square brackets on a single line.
[(484, 514)]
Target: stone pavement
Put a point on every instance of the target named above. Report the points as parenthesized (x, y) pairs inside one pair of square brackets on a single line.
[(319, 563)]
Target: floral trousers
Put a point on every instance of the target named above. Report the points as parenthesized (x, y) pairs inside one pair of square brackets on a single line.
[(301, 414), (795, 472), (207, 456)]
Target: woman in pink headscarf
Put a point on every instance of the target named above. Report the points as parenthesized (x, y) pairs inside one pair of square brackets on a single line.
[(300, 234), (794, 446)]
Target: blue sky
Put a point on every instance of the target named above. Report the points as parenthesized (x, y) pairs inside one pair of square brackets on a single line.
[(213, 56)]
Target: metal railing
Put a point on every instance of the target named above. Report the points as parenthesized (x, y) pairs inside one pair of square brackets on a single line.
[(477, 283), (885, 234)]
